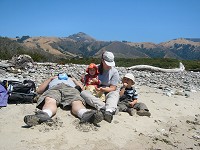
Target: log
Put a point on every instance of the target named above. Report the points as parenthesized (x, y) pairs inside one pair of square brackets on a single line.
[(157, 69)]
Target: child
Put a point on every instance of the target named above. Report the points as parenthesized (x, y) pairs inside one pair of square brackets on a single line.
[(91, 81), (128, 100)]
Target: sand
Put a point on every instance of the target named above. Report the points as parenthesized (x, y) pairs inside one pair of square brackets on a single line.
[(174, 124)]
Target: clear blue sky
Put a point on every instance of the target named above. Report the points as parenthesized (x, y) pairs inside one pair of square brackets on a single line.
[(108, 20)]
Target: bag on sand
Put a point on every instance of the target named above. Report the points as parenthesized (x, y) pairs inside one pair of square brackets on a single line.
[(20, 92), (3, 96)]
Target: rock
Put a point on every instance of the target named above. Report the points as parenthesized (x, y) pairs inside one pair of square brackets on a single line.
[(182, 83), (22, 61)]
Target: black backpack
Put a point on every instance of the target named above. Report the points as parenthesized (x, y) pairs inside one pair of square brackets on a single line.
[(20, 92)]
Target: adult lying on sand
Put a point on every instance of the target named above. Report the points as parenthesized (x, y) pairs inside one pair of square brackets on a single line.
[(60, 91)]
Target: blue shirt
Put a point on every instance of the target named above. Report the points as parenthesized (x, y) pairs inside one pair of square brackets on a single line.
[(130, 94), (56, 81)]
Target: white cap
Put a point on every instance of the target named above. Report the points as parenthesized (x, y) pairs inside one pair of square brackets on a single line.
[(130, 76), (108, 57)]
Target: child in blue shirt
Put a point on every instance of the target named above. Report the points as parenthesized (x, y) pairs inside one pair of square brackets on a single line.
[(128, 100)]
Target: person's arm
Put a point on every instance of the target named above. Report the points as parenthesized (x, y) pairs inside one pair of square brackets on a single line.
[(133, 102), (122, 90), (107, 89), (113, 86), (96, 81), (134, 99), (44, 85), (113, 83), (77, 83)]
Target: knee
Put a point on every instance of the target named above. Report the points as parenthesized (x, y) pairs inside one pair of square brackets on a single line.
[(78, 102), (113, 94), (76, 106), (84, 93), (49, 100), (116, 93)]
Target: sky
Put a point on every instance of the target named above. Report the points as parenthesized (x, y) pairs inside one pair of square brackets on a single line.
[(106, 20)]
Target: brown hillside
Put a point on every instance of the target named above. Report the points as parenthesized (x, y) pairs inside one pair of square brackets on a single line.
[(147, 45), (82, 45), (44, 43), (179, 41), (123, 50)]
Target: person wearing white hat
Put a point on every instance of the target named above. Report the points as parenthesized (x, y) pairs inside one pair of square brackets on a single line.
[(109, 77), (128, 101), (108, 58)]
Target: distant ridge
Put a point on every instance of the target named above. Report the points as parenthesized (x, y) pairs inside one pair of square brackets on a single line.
[(82, 45), (193, 39), (82, 37)]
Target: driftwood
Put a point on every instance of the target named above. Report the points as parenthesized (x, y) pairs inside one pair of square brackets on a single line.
[(157, 69)]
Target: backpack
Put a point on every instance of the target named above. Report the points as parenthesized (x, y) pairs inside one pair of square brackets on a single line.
[(20, 92), (3, 96)]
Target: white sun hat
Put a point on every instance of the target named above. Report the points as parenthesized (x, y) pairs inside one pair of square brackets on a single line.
[(130, 76)]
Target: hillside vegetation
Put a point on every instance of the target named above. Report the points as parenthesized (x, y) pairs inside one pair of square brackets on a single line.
[(10, 48), (83, 49), (167, 63)]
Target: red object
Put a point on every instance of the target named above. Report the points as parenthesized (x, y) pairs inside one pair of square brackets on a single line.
[(91, 66), (88, 78)]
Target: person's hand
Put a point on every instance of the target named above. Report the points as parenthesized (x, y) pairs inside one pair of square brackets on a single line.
[(94, 80), (51, 78), (99, 89), (125, 85), (131, 104)]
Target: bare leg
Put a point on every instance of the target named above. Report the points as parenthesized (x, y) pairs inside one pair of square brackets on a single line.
[(90, 116), (42, 116), (76, 106), (50, 104)]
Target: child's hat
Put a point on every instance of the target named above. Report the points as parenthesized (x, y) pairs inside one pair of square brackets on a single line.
[(130, 76), (91, 66)]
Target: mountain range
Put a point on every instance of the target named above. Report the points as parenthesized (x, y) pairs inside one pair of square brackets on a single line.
[(82, 45)]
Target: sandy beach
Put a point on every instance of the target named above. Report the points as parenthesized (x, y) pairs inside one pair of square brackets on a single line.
[(174, 124)]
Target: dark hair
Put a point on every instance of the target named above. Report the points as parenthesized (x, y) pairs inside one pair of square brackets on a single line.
[(100, 68)]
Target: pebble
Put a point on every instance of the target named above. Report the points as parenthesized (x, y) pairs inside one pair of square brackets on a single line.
[(180, 83)]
